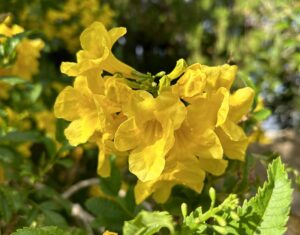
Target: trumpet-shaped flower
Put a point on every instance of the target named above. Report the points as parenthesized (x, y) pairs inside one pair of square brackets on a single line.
[(148, 132), (196, 150), (94, 112), (201, 80), (96, 43)]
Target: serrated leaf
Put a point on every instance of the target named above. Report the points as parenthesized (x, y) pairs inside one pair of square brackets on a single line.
[(148, 223), (48, 230), (267, 212)]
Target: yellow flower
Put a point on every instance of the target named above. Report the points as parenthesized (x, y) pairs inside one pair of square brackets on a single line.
[(174, 138), (93, 106), (67, 22), (109, 233), (28, 52), (46, 121), (148, 132), (232, 136), (24, 149), (8, 30), (200, 80), (4, 88), (97, 43), (85, 106), (197, 150), (208, 131), (181, 168)]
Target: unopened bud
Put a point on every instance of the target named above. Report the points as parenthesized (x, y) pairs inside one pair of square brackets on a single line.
[(184, 209), (220, 229), (212, 195), (220, 220)]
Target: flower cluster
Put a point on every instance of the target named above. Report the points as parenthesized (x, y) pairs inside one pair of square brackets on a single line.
[(175, 128), (65, 21), (27, 52)]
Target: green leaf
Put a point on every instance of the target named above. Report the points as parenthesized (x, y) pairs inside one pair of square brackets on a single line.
[(11, 201), (48, 230), (109, 214), (12, 80), (9, 156), (54, 218), (267, 212), (19, 136), (35, 92), (148, 223), (262, 114), (50, 205)]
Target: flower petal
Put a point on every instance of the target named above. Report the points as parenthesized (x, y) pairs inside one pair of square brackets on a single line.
[(91, 37), (185, 171), (234, 141), (209, 112), (116, 33), (103, 168), (148, 162), (240, 103), (127, 136), (170, 106), (80, 130), (66, 104), (208, 145), (214, 166)]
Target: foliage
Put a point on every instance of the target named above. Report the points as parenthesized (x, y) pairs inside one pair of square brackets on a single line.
[(259, 215), (148, 223), (172, 136)]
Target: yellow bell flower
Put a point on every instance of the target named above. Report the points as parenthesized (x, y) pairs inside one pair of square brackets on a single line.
[(97, 43), (85, 106), (93, 105), (182, 167), (197, 150), (209, 130), (148, 131), (200, 80)]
